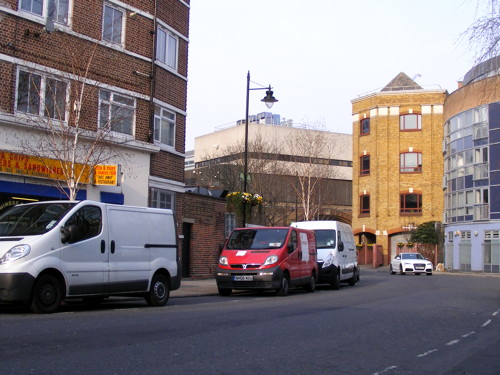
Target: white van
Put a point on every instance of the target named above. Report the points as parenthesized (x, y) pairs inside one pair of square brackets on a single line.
[(337, 257), (52, 251)]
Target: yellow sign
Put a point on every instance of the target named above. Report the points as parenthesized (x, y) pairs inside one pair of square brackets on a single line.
[(106, 175), (27, 165)]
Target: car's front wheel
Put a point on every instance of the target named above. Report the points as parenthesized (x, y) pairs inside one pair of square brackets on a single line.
[(392, 271), (401, 270)]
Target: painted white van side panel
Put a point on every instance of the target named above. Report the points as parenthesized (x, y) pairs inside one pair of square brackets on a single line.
[(130, 260)]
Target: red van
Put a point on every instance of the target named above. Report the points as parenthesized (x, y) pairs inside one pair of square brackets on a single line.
[(261, 258)]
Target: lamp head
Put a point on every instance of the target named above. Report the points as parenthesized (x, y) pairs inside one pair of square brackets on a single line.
[(269, 99)]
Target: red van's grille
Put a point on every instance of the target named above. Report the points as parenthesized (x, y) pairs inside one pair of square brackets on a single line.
[(245, 266)]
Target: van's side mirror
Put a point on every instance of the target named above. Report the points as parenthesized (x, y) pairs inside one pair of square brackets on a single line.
[(70, 234), (341, 246)]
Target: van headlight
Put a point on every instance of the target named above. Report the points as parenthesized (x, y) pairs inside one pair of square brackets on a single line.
[(328, 260), (17, 252), (271, 260), (223, 260)]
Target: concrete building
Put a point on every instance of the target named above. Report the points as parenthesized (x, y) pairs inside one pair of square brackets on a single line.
[(117, 70), (471, 182), (279, 156), (397, 162)]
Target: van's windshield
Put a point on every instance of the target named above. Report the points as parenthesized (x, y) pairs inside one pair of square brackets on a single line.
[(32, 219), (246, 239), (325, 238)]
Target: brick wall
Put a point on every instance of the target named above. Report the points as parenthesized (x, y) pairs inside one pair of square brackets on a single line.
[(384, 144), (207, 232)]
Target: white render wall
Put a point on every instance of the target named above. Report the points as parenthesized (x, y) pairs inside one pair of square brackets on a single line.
[(211, 145)]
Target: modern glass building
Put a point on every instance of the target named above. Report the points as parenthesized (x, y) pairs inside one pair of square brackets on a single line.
[(471, 181)]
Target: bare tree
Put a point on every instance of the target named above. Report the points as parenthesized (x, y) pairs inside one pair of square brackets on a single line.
[(311, 150), (58, 109), (484, 34)]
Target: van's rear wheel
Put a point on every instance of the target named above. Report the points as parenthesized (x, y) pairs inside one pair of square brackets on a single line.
[(284, 286), (47, 295), (311, 287), (159, 292)]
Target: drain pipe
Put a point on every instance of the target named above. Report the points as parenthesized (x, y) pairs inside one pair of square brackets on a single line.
[(153, 77)]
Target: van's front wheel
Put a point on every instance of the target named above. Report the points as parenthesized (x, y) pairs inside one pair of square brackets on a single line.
[(336, 280), (159, 292), (284, 286), (47, 295)]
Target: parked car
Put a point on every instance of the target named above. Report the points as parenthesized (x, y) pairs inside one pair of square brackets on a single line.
[(410, 262), (272, 258)]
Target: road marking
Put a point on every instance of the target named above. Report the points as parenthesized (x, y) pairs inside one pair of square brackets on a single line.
[(486, 323), (385, 370), (468, 334), (453, 342), (496, 313), (427, 353)]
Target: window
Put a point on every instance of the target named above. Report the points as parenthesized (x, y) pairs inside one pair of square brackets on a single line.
[(162, 198), (112, 24), (164, 131), (410, 162), (57, 10), (32, 6), (410, 203), (364, 126), (88, 219), (116, 112), (229, 224), (364, 165), (410, 122), (166, 48), (42, 96), (364, 204)]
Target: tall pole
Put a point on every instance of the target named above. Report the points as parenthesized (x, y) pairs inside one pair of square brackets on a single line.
[(245, 163)]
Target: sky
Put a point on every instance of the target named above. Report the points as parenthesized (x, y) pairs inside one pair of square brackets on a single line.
[(317, 55)]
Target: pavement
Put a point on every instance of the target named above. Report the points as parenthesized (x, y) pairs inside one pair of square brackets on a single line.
[(195, 288), (208, 287)]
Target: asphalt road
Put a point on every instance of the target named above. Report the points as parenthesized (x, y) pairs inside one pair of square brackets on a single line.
[(443, 324)]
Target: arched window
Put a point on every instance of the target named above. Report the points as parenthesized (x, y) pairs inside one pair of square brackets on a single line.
[(364, 204), (410, 162), (364, 126), (410, 121), (364, 165)]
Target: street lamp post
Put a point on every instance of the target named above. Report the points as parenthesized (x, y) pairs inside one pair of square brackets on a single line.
[(269, 100)]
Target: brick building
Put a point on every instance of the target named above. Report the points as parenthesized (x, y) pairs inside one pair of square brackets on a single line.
[(397, 162), (112, 71)]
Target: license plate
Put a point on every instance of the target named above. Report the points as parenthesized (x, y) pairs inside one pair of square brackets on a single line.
[(419, 268), (243, 278)]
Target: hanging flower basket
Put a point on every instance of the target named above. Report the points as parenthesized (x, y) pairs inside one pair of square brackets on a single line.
[(401, 245), (359, 245), (409, 245), (239, 202)]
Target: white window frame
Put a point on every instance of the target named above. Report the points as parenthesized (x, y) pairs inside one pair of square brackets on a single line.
[(161, 116), (113, 103), (41, 93), (166, 54), (45, 9), (158, 199), (229, 223), (122, 26)]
